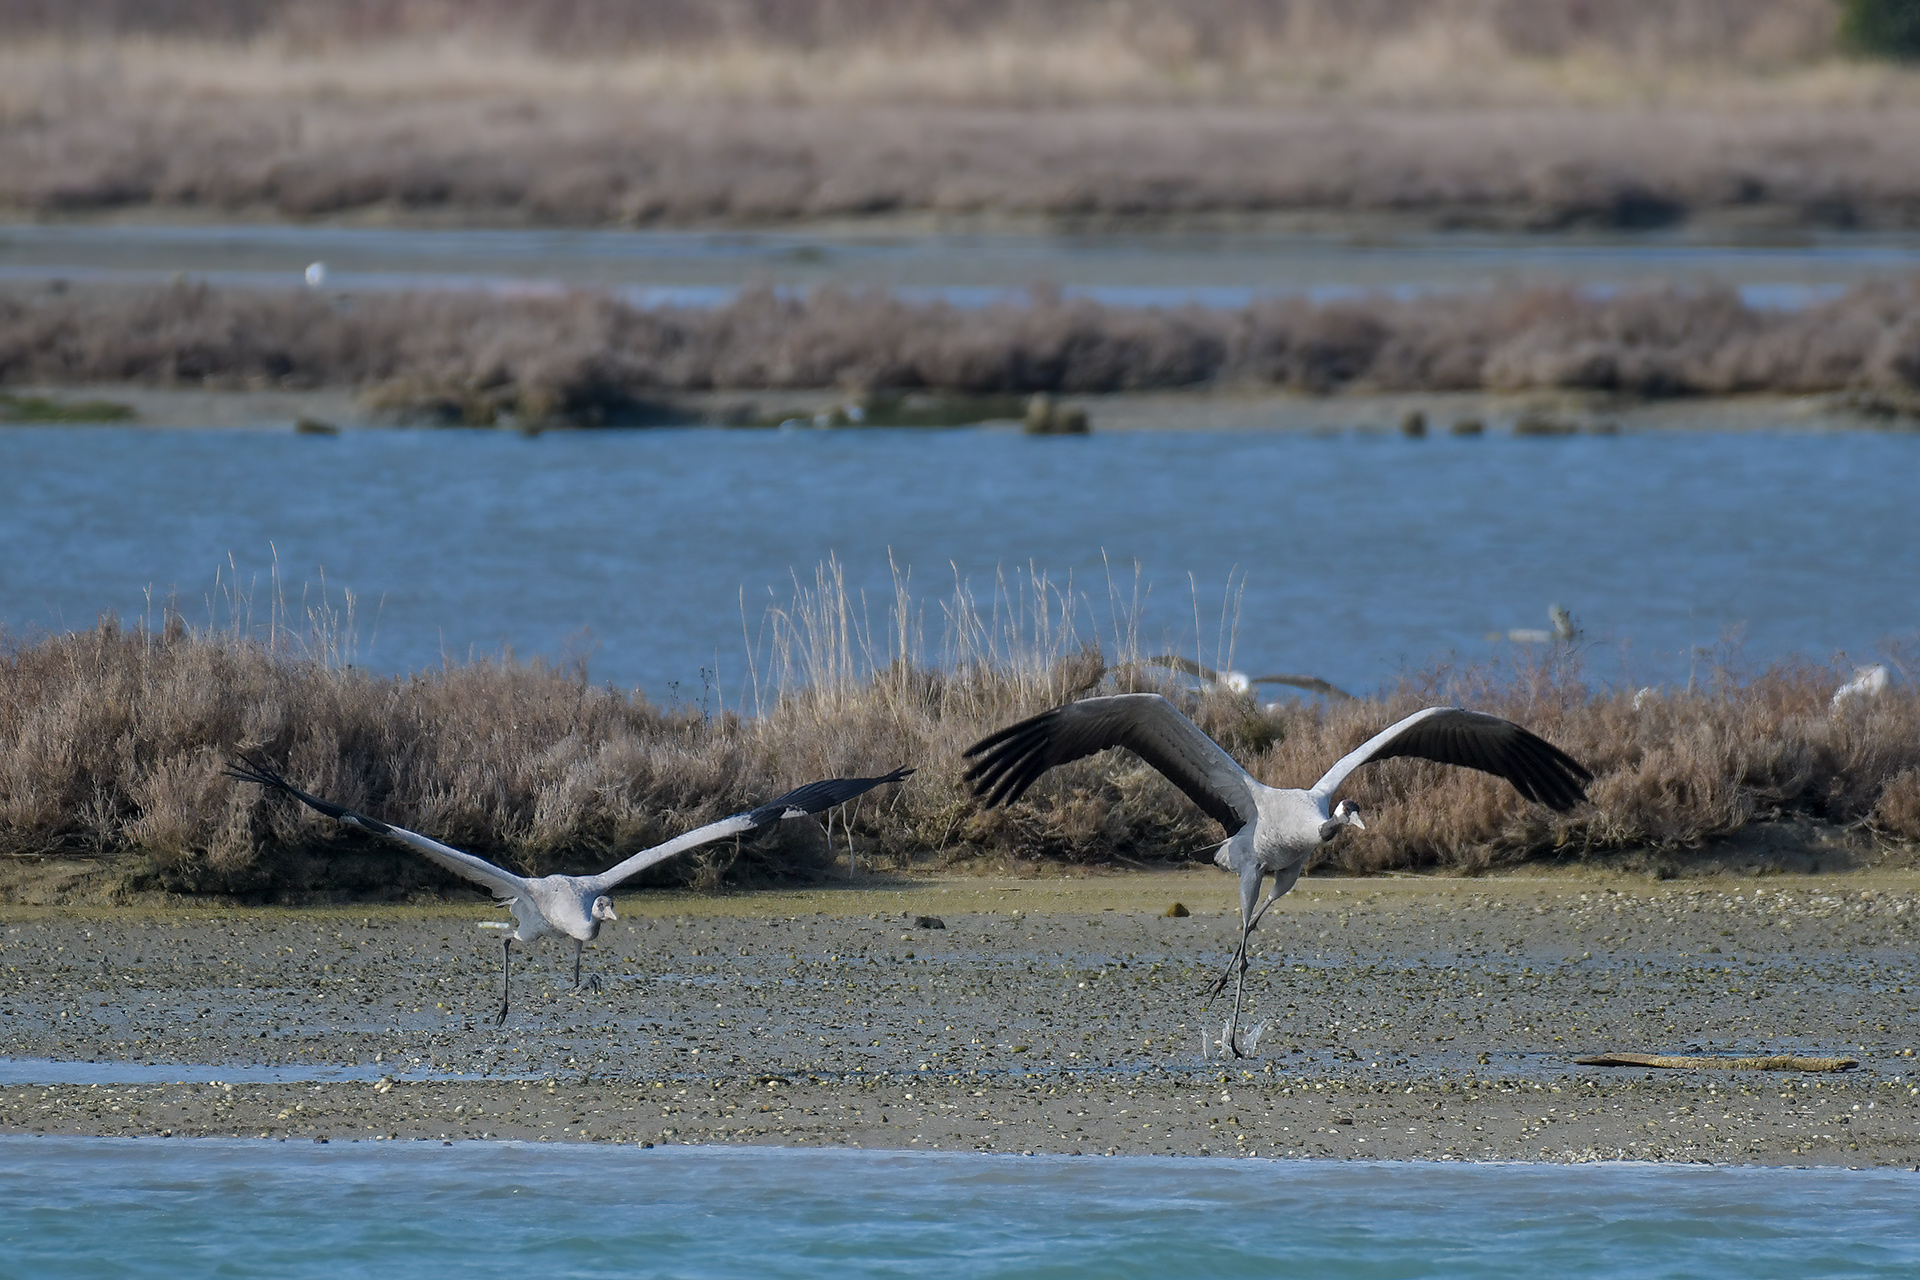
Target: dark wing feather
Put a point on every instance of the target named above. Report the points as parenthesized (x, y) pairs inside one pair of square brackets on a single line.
[(504, 884), (1146, 724), (1537, 769), (255, 770), (1312, 684), (814, 797), (818, 797)]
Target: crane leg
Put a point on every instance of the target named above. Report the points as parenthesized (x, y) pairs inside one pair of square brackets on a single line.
[(1230, 1036), (1251, 915), (1238, 965), (1251, 909), (593, 979), (1230, 1039), (506, 977)]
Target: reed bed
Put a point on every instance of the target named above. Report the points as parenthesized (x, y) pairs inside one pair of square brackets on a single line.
[(1754, 167), (1763, 31), (809, 49), (588, 359), (1539, 113), (112, 742)]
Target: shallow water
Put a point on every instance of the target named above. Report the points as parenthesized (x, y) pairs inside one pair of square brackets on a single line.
[(76, 1207), (702, 268), (46, 1071), (656, 554)]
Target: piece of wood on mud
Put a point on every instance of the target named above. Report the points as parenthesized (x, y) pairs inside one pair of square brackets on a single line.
[(1775, 1062)]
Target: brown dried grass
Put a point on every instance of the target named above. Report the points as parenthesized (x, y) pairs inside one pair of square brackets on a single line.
[(589, 359), (1172, 36), (112, 742), (589, 161), (1501, 112)]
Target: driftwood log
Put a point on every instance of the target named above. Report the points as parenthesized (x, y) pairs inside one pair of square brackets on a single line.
[(1776, 1062)]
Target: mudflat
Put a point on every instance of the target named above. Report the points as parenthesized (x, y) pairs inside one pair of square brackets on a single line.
[(1404, 1018)]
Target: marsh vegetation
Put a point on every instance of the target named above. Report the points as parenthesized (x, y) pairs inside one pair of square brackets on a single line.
[(589, 359), (1481, 112), (113, 739)]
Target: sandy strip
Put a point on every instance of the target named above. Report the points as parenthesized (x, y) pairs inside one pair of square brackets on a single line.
[(1406, 1018)]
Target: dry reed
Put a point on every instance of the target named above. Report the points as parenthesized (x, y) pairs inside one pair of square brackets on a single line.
[(1190, 29), (590, 359), (1493, 112), (112, 742)]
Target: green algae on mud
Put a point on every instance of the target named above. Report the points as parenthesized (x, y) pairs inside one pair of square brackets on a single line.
[(51, 410)]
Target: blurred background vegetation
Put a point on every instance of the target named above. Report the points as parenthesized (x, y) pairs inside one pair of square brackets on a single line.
[(1881, 28), (1200, 45)]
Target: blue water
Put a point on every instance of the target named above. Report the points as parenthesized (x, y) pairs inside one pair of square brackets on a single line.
[(1358, 556), (79, 1207)]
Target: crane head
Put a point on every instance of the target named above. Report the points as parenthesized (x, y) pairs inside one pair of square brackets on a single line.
[(1345, 814)]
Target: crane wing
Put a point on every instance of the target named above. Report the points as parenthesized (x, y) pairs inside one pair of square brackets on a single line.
[(503, 884), (814, 797), (1175, 662), (1538, 770), (1144, 723), (1312, 684)]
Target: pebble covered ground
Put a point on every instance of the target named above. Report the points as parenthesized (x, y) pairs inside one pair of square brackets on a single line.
[(1405, 1018)]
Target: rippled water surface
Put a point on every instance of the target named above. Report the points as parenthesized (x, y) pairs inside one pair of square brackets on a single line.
[(656, 554), (78, 1207)]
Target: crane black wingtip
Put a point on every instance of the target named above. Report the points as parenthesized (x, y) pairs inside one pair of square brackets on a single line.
[(251, 768), (817, 797), (256, 770)]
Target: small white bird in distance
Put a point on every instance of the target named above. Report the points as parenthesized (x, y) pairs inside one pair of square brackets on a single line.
[(1565, 629), (1866, 682), (316, 274), (1271, 831), (572, 905)]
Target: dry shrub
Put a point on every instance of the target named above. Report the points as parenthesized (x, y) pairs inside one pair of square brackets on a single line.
[(1898, 812), (111, 743), (592, 360)]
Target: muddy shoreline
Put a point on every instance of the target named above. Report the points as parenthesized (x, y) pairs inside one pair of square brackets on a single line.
[(1439, 413), (1405, 1018)]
